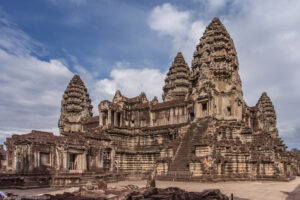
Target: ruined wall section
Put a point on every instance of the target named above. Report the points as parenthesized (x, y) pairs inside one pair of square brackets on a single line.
[(3, 159), (75, 107), (31, 152)]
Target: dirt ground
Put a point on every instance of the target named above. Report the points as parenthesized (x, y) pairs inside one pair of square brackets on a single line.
[(255, 190), (39, 191)]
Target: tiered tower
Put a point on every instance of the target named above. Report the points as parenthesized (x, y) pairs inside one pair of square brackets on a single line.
[(216, 84), (75, 106), (177, 81), (266, 115)]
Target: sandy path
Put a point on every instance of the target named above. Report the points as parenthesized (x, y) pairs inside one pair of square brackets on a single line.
[(254, 190), (243, 190)]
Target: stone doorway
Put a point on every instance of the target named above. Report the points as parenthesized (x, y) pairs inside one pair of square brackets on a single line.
[(204, 109), (118, 119), (44, 159), (191, 113), (73, 161), (228, 111)]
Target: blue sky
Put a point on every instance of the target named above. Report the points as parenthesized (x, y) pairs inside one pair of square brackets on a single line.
[(129, 45)]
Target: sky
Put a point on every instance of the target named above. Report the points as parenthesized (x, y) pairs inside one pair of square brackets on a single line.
[(129, 46)]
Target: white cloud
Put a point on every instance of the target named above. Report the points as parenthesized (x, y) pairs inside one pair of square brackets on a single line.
[(131, 82), (31, 89), (72, 2), (29, 81), (167, 20), (15, 41), (215, 5)]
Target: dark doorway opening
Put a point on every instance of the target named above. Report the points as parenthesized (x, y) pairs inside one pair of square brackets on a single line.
[(72, 161), (119, 119), (191, 113), (204, 109), (112, 118), (228, 111), (87, 162)]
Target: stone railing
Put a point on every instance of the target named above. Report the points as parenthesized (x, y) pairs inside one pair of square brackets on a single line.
[(176, 175)]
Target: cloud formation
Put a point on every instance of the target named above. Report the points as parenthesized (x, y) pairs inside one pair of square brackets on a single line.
[(168, 21), (31, 88), (131, 82)]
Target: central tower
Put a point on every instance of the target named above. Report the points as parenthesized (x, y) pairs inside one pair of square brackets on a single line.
[(216, 85)]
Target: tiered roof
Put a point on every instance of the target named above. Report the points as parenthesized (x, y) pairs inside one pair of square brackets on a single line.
[(265, 106), (216, 50), (177, 81), (76, 103)]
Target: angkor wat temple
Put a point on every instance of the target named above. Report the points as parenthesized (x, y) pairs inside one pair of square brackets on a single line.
[(203, 130)]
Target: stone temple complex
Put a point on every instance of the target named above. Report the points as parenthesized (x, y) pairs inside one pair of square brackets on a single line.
[(203, 130)]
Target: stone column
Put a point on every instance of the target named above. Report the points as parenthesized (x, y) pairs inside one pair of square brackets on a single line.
[(100, 160), (83, 161), (151, 118), (14, 164), (109, 118), (172, 116), (36, 159), (121, 120), (101, 119), (65, 160), (198, 110), (112, 160), (115, 119)]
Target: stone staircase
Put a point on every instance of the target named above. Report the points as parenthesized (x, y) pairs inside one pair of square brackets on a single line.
[(87, 177), (186, 146)]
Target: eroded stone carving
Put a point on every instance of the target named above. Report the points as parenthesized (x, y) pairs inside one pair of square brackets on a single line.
[(75, 106)]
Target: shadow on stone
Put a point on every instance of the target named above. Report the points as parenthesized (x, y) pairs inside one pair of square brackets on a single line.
[(294, 195)]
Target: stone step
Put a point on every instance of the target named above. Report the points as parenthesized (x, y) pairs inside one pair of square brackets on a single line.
[(186, 146)]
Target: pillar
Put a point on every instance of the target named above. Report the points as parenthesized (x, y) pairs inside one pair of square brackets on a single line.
[(65, 160), (83, 161), (151, 118), (197, 110), (115, 119), (172, 116), (121, 119), (109, 117), (101, 119), (112, 160)]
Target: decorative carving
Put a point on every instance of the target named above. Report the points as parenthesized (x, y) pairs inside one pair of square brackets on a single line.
[(177, 83), (75, 107)]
